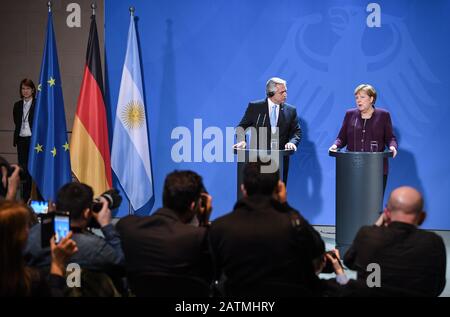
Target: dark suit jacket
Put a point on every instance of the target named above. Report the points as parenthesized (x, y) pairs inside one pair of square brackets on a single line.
[(378, 128), (257, 243), (257, 115), (18, 114), (162, 243), (410, 259)]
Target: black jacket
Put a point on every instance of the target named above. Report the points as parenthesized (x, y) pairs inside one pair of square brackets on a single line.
[(18, 114), (257, 115), (410, 259), (162, 243), (259, 242)]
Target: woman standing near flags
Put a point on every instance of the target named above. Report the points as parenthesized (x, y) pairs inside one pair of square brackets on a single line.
[(23, 120)]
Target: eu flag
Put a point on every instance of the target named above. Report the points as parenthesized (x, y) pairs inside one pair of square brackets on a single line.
[(49, 160)]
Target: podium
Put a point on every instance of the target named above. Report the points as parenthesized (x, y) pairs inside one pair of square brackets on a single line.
[(276, 157), (359, 193)]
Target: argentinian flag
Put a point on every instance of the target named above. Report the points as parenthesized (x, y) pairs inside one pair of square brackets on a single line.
[(130, 157)]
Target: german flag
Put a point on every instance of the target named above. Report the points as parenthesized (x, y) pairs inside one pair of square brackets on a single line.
[(89, 147)]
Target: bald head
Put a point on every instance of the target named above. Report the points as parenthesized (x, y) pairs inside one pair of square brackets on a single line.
[(406, 200)]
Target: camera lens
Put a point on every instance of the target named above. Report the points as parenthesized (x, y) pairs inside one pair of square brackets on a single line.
[(97, 206), (112, 198)]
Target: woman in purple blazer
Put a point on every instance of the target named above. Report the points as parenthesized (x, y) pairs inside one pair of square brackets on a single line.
[(366, 128)]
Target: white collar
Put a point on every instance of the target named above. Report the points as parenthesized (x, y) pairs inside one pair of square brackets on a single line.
[(271, 103)]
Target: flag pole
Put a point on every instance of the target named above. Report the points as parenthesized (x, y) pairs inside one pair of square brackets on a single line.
[(135, 168), (93, 6), (130, 208), (49, 164)]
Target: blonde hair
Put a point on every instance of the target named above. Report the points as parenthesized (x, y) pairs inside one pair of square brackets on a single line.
[(369, 90)]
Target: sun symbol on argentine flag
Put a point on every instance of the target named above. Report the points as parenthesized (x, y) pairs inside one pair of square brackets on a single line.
[(133, 115)]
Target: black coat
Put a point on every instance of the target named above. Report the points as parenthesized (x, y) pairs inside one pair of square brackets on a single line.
[(410, 259), (257, 115), (257, 242), (162, 243), (18, 114)]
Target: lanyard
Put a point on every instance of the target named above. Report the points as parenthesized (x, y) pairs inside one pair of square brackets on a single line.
[(27, 114)]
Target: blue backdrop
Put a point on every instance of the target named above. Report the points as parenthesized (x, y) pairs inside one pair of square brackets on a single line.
[(207, 59)]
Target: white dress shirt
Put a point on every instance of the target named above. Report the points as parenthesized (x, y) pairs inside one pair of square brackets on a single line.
[(25, 129), (271, 104)]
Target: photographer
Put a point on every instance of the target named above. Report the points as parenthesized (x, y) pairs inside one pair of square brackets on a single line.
[(412, 261), (16, 279), (94, 252), (173, 239), (263, 242)]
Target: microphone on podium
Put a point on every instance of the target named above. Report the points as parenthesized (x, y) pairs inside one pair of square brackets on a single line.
[(257, 120)]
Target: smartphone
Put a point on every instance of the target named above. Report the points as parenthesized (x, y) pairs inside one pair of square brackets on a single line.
[(46, 229), (39, 207), (54, 224), (61, 225)]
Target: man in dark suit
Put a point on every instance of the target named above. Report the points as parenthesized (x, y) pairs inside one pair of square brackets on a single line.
[(264, 242), (282, 128), (23, 114), (173, 239), (411, 261)]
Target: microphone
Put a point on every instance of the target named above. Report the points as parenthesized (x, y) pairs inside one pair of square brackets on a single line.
[(264, 120), (354, 135), (257, 120)]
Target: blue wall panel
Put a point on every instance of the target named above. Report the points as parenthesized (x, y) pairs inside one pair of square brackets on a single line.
[(208, 58)]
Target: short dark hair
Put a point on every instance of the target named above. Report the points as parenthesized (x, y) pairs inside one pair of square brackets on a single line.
[(29, 83), (256, 182), (181, 188), (74, 197)]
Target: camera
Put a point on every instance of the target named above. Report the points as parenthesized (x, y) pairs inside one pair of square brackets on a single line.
[(328, 264), (10, 169), (4, 163), (113, 198)]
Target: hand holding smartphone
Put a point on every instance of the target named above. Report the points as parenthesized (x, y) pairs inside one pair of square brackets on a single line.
[(54, 224), (61, 226)]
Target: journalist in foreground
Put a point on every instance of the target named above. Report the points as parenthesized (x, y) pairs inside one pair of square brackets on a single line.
[(412, 261), (18, 279), (95, 253)]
